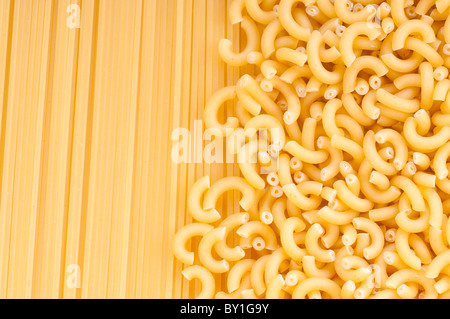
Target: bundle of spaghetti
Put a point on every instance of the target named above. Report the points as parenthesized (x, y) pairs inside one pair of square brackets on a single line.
[(197, 80), (11, 80), (162, 125), (179, 172), (109, 214), (15, 243), (39, 99), (143, 150), (79, 169), (23, 220), (181, 72), (352, 100), (91, 198), (93, 283), (23, 150), (56, 153), (178, 103), (128, 103)]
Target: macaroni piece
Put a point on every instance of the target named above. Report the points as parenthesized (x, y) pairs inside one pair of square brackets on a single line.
[(205, 277)]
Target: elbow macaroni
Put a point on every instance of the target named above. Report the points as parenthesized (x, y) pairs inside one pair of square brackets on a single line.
[(352, 103)]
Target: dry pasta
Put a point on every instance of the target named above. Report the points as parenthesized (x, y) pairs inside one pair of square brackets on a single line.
[(363, 150), (338, 185)]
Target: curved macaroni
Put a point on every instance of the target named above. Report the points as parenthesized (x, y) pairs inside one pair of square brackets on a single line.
[(253, 43), (205, 277), (226, 184), (182, 237)]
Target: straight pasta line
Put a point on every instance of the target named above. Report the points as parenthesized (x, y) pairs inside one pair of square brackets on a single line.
[(184, 113), (66, 122), (151, 281), (137, 53), (95, 163), (20, 148), (120, 119), (200, 169), (132, 139), (137, 169), (193, 110), (9, 147), (60, 121), (80, 148), (173, 121), (163, 170), (34, 165), (128, 155), (211, 85), (33, 252), (145, 121), (17, 288), (48, 211), (38, 287), (176, 121), (112, 116), (47, 219), (149, 267), (222, 26), (6, 23)]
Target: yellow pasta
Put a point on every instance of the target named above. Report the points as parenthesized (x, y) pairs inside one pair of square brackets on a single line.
[(356, 275), (411, 190), (361, 63), (408, 275), (314, 284), (350, 199), (317, 68), (404, 250), (226, 46), (377, 238), (195, 205), (236, 149), (257, 275), (212, 108), (311, 270), (226, 184), (256, 227), (205, 251), (274, 287), (288, 22), (412, 26), (206, 278), (289, 226), (349, 35), (439, 262), (231, 222), (237, 273), (181, 238), (312, 245)]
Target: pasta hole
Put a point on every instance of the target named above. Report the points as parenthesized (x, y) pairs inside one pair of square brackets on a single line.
[(446, 49), (258, 244)]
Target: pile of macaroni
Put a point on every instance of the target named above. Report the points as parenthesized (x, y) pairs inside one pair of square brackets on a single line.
[(343, 137)]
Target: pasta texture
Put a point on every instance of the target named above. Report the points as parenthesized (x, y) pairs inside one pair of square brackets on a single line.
[(343, 184)]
